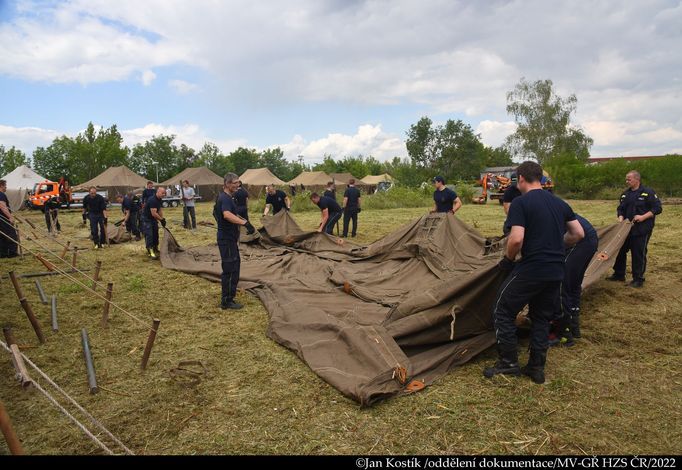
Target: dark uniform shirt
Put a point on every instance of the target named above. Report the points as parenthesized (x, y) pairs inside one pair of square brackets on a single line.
[(330, 193), (639, 202), (152, 203), (53, 203), (511, 193), (330, 204), (147, 193), (544, 218), (278, 201), (94, 205), (240, 197), (3, 197), (590, 233), (226, 229), (444, 199), (130, 204), (353, 195)]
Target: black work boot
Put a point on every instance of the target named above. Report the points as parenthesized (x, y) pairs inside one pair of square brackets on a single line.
[(575, 323), (535, 369), (230, 304), (507, 364), (616, 277)]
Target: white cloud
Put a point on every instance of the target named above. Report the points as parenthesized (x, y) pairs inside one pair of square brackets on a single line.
[(26, 138), (189, 134), (182, 87), (493, 133), (148, 77), (368, 140)]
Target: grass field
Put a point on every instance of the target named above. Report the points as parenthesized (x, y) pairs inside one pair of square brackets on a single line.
[(618, 391)]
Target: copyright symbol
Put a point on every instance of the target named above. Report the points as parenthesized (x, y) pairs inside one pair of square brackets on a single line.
[(361, 462)]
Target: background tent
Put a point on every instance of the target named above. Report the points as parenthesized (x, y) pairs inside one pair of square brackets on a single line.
[(256, 179), (117, 180), (206, 183), (376, 179), (341, 179), (312, 180), (19, 182)]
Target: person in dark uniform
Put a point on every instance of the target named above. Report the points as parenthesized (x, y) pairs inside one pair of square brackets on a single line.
[(148, 192), (542, 225), (444, 198), (51, 209), (96, 207), (276, 199), (351, 207), (8, 247), (330, 191), (292, 189), (577, 259), (509, 194), (331, 212), (153, 216), (225, 214), (131, 210), (640, 205), (241, 200)]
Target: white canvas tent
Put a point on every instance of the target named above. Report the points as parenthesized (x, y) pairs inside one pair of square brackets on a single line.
[(22, 178), (376, 179)]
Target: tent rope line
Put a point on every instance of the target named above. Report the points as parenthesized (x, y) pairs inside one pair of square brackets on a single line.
[(75, 268), (25, 221), (73, 279), (75, 403)]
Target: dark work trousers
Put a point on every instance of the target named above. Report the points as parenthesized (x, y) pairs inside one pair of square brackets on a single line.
[(637, 246), (97, 229), (243, 212), (577, 259), (132, 224), (151, 233), (230, 261), (188, 212), (50, 215), (542, 298), (348, 215), (8, 248), (331, 222)]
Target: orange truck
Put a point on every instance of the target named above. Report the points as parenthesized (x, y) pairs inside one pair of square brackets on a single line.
[(47, 189)]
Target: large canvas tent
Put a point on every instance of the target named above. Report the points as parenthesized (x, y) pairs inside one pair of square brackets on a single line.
[(256, 179), (206, 183), (376, 179), (116, 180), (311, 179), (341, 179), (20, 181), (375, 321)]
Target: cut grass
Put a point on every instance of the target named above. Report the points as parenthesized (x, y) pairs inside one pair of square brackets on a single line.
[(617, 391)]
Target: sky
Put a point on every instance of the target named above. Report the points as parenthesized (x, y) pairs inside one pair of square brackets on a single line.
[(336, 77)]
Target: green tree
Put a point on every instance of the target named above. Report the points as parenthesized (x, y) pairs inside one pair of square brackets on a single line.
[(55, 161), (93, 151), (497, 156), (242, 159), (10, 159), (158, 154), (328, 165), (273, 160), (211, 157), (544, 123)]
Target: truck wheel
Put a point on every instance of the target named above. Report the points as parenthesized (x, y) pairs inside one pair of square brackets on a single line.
[(174, 203), (164, 204)]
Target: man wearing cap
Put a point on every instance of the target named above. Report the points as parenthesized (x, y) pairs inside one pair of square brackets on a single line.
[(444, 198)]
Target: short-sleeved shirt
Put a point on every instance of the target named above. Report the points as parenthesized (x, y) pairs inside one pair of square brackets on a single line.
[(511, 193), (353, 195), (590, 233), (95, 205), (3, 198), (227, 231), (544, 217), (330, 204), (639, 202), (330, 193), (147, 193), (241, 196), (152, 203), (444, 199), (278, 201), (189, 195)]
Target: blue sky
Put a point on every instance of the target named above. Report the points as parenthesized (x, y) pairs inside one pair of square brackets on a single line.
[(334, 77)]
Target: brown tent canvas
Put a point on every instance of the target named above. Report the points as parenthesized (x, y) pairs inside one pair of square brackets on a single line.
[(207, 184), (379, 320), (117, 180), (376, 179), (312, 178), (260, 177), (341, 179)]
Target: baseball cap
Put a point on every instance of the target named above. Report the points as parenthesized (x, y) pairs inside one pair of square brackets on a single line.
[(439, 179)]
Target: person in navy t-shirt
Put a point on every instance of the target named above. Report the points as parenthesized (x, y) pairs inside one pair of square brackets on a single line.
[(276, 199), (331, 212), (444, 198)]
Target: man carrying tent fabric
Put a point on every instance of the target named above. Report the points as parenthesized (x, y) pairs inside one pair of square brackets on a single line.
[(188, 211), (8, 247), (444, 198), (241, 200), (541, 225), (640, 205), (229, 222), (153, 216), (331, 212), (351, 207), (96, 207), (131, 212), (276, 199), (51, 208)]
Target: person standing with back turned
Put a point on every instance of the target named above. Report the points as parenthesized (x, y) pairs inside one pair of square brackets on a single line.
[(541, 225), (351, 207)]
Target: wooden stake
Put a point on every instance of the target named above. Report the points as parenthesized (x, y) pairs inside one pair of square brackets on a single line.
[(7, 431), (32, 318), (48, 273), (20, 367), (95, 278), (75, 254), (65, 250), (46, 263), (55, 325), (41, 292), (150, 343), (9, 335), (15, 283), (107, 303), (92, 380)]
